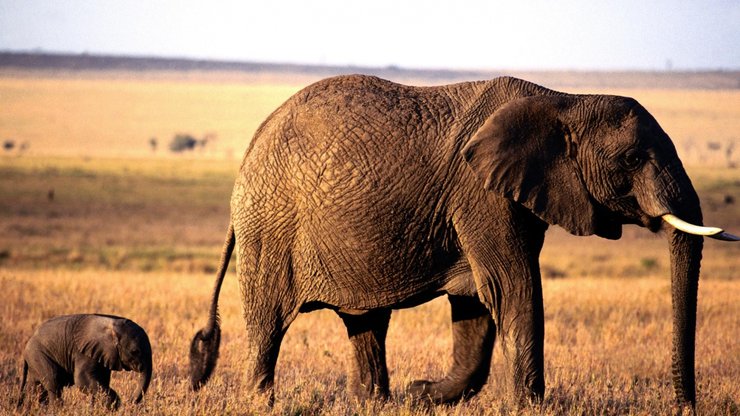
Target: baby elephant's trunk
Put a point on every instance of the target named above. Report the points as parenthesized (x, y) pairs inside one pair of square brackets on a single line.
[(204, 347), (144, 378)]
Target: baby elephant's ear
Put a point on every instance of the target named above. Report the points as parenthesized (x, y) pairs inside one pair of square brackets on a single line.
[(524, 152), (99, 340)]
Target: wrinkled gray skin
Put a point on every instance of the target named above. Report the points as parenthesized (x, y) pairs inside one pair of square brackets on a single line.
[(361, 195), (82, 350)]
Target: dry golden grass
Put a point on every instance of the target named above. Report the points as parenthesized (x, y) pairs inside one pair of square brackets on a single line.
[(116, 117), (114, 214), (115, 114), (607, 347), (608, 311), (171, 215)]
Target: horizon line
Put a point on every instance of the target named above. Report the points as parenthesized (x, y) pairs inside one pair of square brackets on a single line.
[(388, 67)]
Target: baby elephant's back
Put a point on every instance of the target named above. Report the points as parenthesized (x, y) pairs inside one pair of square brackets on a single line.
[(52, 341), (56, 328)]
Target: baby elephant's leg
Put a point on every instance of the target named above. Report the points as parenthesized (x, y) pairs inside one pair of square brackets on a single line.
[(92, 378), (36, 390), (46, 377)]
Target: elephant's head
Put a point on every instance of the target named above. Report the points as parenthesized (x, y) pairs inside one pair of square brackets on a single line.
[(118, 344), (591, 164)]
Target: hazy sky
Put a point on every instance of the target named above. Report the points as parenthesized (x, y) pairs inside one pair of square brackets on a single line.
[(475, 34)]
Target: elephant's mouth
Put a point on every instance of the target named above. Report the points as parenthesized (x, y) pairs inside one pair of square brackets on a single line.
[(654, 224), (625, 210)]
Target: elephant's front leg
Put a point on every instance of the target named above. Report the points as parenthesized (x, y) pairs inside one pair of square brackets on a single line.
[(522, 334), (504, 260), (473, 336), (93, 378), (367, 333)]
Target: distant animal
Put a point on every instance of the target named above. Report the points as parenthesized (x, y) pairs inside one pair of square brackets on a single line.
[(361, 195), (50, 194), (82, 350)]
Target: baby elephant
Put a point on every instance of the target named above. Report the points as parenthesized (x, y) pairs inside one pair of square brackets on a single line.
[(82, 350)]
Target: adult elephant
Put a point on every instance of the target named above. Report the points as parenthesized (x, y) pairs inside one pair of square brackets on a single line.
[(361, 195)]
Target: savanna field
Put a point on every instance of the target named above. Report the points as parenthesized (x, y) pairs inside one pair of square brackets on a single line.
[(98, 214)]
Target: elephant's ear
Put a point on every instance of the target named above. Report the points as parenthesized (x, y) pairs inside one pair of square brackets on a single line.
[(100, 340), (524, 152)]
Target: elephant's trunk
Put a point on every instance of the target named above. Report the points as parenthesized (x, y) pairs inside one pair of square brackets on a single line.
[(670, 195), (144, 378), (686, 241), (685, 253), (685, 261)]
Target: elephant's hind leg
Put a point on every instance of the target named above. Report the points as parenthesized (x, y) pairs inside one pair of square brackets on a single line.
[(270, 306), (265, 332), (473, 336), (37, 391), (367, 333), (47, 377)]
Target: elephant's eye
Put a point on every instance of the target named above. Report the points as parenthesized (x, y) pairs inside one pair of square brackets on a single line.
[(631, 160)]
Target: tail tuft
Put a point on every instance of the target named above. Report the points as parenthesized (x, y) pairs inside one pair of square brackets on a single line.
[(203, 356)]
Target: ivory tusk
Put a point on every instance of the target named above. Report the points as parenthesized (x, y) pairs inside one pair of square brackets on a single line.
[(689, 228)]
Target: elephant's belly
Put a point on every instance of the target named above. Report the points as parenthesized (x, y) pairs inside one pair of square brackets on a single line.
[(401, 289)]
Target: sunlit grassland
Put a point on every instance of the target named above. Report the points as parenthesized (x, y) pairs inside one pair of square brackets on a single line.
[(133, 237), (136, 232), (141, 214), (607, 347), (114, 115), (171, 214), (117, 117)]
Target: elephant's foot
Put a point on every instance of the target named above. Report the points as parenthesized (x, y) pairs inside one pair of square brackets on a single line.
[(439, 392), (369, 392)]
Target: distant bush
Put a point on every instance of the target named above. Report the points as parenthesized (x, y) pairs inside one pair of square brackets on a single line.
[(8, 145), (649, 263), (183, 142)]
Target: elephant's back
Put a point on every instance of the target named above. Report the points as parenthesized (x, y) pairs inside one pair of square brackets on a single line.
[(345, 139), (343, 127), (349, 100)]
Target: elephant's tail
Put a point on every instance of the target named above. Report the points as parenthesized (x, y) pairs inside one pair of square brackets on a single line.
[(204, 347), (23, 384)]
